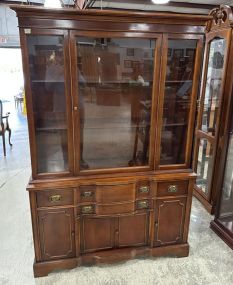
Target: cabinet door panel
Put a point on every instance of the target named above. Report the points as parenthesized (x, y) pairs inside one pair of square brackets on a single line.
[(115, 83), (133, 230), (48, 89), (180, 89), (57, 233), (97, 233), (170, 215), (210, 108)]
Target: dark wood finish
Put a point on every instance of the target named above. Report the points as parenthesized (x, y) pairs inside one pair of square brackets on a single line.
[(170, 214), (115, 193), (133, 230), (57, 235), (4, 126), (88, 215), (217, 28), (119, 208), (58, 197), (171, 4), (222, 233), (171, 188), (222, 183), (97, 233)]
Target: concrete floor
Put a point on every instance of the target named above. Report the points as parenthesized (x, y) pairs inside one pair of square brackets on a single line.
[(210, 260)]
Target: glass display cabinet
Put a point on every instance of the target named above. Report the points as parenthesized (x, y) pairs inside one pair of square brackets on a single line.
[(223, 175), (111, 99), (213, 93)]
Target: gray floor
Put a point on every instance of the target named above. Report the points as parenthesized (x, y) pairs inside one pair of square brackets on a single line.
[(210, 260)]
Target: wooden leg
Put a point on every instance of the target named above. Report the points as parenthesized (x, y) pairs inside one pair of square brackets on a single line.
[(9, 130), (3, 143)]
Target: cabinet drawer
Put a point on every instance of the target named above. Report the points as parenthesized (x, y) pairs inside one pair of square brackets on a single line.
[(110, 209), (57, 197), (115, 193), (172, 188)]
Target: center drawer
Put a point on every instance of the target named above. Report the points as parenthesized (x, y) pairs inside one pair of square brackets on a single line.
[(122, 192)]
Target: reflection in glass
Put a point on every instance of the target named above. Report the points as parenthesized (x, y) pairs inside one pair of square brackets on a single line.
[(115, 91), (46, 61), (213, 85), (204, 165), (226, 203), (178, 88)]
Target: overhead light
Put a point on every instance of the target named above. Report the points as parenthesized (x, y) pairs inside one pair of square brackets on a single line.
[(52, 4), (160, 1)]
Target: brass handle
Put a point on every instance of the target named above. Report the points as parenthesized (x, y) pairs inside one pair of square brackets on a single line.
[(144, 189), (87, 209), (55, 198), (143, 204), (87, 194), (172, 189), (75, 108)]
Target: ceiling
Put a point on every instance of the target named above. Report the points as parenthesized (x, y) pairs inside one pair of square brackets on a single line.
[(180, 6)]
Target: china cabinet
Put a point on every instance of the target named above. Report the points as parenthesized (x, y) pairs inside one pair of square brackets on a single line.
[(223, 172), (215, 95), (111, 100)]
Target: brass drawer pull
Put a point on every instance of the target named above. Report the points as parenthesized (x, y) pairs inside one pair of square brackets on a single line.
[(143, 204), (87, 209), (144, 189), (172, 189), (87, 194), (55, 198)]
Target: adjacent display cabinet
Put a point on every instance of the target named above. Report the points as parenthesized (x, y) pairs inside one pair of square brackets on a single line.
[(223, 172), (111, 99), (215, 94)]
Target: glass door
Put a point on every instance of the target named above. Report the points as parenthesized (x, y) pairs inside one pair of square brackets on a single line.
[(223, 221), (49, 102), (209, 111), (114, 87), (177, 98), (225, 215)]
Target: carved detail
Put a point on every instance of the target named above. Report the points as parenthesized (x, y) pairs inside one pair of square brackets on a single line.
[(222, 17), (43, 234), (164, 205)]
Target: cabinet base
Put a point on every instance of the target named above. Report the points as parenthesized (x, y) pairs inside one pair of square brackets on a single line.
[(111, 256), (227, 238)]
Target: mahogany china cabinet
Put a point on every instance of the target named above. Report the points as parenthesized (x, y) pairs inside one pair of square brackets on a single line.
[(111, 99), (223, 175), (215, 95)]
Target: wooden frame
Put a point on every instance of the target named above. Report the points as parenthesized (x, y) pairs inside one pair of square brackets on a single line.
[(194, 94), (208, 200), (223, 136), (93, 209), (157, 57), (23, 36)]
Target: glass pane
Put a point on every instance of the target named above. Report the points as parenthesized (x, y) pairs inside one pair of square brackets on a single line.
[(226, 202), (204, 165), (46, 61), (213, 85), (178, 89), (115, 91)]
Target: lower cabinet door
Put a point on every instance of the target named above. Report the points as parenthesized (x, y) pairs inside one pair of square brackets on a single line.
[(133, 230), (170, 214), (57, 237), (97, 233)]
